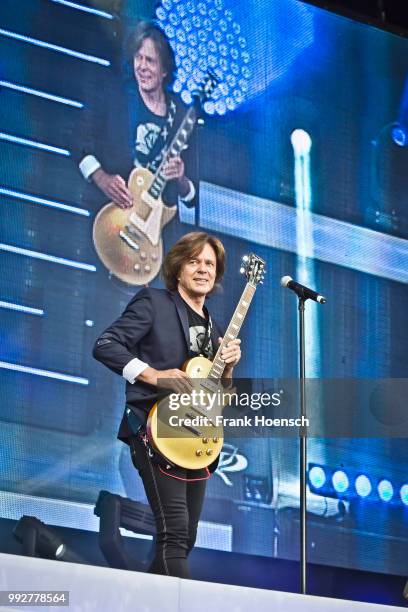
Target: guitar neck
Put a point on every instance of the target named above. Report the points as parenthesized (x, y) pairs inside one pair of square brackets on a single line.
[(176, 146), (218, 365)]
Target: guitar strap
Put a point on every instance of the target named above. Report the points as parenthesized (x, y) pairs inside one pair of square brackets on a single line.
[(163, 464), (159, 148), (207, 337)]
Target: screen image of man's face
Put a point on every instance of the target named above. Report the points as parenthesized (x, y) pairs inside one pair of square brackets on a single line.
[(148, 67)]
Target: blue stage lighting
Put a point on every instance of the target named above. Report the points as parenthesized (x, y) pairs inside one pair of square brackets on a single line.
[(221, 37), (19, 195), (86, 9), (21, 308), (340, 481), (328, 482), (52, 47), (317, 477), (36, 255), (221, 48), (18, 367), (404, 494), (33, 143), (385, 490), (363, 486), (399, 135), (41, 94), (301, 142)]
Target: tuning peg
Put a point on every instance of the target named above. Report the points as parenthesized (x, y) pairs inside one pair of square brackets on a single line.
[(213, 75), (245, 258), (242, 270)]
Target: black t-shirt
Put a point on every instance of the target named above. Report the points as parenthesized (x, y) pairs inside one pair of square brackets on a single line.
[(151, 134), (200, 333)]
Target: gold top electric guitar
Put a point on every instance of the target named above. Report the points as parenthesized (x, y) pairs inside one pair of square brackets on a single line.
[(128, 241), (190, 446)]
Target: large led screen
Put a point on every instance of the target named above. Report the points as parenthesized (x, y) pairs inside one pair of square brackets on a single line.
[(299, 155)]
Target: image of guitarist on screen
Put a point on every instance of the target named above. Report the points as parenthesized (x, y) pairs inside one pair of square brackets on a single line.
[(160, 330), (134, 128)]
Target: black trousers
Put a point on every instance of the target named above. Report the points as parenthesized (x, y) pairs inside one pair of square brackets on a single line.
[(176, 499)]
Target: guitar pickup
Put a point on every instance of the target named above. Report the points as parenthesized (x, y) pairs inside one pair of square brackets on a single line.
[(129, 241), (208, 420), (210, 385)]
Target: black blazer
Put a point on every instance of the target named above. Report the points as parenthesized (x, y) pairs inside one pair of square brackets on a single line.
[(154, 328)]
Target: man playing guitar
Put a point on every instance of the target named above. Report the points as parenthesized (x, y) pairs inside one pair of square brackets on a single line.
[(158, 331), (153, 65), (133, 129)]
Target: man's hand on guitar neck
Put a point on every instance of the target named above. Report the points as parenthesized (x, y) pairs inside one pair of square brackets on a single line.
[(174, 169), (173, 379), (114, 187), (230, 354)]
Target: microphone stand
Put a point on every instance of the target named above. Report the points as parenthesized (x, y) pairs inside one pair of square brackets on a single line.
[(303, 294), (302, 447)]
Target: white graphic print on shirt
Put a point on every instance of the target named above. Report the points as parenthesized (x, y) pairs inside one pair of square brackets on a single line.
[(146, 136), (197, 337)]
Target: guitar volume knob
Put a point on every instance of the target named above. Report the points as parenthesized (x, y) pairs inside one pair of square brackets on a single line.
[(209, 451), (136, 267), (147, 268), (199, 453), (215, 440), (143, 255), (205, 440)]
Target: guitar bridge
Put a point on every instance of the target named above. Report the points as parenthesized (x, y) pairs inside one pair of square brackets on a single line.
[(193, 430), (133, 232)]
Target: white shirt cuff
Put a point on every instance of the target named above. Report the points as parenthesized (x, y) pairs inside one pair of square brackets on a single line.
[(88, 166), (190, 195), (132, 369)]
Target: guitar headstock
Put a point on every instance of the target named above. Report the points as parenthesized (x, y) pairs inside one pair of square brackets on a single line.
[(206, 87), (254, 268)]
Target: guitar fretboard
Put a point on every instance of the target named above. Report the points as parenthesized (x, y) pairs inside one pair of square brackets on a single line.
[(177, 145), (218, 365)]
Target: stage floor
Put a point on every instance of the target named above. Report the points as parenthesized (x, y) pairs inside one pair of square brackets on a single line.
[(97, 588)]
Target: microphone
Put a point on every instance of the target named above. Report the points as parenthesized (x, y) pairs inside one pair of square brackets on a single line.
[(301, 290)]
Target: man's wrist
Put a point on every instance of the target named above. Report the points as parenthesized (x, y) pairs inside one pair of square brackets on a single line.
[(149, 376), (185, 187), (227, 377), (97, 175), (88, 166), (228, 372), (133, 369)]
